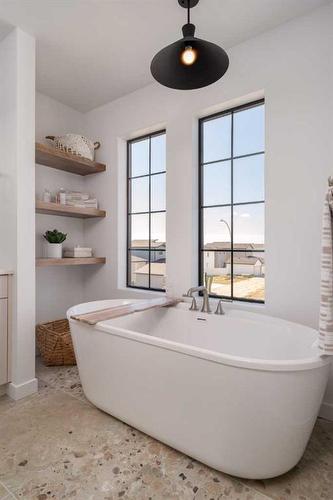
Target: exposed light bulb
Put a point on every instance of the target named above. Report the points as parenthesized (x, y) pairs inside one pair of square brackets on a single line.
[(189, 56)]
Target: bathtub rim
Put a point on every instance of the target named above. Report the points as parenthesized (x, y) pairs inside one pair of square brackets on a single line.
[(289, 365)]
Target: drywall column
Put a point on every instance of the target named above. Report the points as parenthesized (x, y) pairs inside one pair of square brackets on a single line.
[(17, 198), (182, 203)]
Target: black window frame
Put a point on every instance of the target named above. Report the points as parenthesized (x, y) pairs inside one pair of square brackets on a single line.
[(231, 112), (129, 248)]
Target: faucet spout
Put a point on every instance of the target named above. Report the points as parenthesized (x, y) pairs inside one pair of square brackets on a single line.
[(205, 303)]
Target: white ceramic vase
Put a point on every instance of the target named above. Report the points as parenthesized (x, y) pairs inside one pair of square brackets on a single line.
[(54, 250)]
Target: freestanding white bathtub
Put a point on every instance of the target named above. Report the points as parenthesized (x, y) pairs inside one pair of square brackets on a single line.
[(239, 392)]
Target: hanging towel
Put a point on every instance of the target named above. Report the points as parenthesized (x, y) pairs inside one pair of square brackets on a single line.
[(325, 343)]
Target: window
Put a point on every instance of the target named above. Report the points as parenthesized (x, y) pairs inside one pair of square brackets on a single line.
[(146, 241), (232, 203)]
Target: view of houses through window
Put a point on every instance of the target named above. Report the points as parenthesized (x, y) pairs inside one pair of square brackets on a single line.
[(232, 241), (146, 241), (232, 205)]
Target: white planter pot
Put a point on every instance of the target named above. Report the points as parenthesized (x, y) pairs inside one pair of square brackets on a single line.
[(53, 250)]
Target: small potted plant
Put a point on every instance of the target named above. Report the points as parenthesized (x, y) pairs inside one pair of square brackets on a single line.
[(54, 240)]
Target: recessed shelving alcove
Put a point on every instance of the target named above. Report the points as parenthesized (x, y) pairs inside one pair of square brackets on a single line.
[(50, 157)]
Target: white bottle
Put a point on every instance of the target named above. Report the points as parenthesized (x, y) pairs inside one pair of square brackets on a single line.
[(47, 196), (62, 197)]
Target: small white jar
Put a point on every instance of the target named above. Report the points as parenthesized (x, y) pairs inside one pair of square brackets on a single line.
[(47, 196)]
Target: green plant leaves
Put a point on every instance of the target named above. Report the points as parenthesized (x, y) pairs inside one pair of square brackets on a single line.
[(55, 236)]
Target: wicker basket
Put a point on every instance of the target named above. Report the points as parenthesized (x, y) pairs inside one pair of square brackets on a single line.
[(54, 342)]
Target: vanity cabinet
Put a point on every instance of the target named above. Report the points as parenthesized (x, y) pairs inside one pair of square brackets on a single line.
[(4, 328)]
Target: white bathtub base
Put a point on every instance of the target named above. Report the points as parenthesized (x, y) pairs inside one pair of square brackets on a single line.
[(249, 423)]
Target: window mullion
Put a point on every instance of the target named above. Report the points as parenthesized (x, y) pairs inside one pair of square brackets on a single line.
[(232, 208), (149, 242), (129, 209)]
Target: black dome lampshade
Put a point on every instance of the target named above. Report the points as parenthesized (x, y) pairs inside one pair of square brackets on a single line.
[(189, 63)]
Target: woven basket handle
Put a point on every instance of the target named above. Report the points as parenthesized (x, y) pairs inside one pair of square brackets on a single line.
[(97, 145)]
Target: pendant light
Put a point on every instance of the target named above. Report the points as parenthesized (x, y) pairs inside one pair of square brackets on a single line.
[(189, 63)]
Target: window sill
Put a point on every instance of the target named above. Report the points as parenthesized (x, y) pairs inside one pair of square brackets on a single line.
[(243, 306), (255, 307), (139, 291)]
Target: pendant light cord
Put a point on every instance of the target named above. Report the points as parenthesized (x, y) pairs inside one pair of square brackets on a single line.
[(188, 12)]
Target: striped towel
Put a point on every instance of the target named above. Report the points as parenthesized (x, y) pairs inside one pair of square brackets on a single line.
[(325, 342)]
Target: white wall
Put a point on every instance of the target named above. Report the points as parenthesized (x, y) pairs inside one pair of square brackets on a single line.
[(17, 185), (291, 67), (57, 288)]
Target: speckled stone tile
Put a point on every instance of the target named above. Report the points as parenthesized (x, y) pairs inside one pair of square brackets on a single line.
[(5, 402), (65, 378), (55, 446), (3, 492), (312, 478)]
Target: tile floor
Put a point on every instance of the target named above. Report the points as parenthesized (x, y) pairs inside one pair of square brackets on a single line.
[(56, 445)]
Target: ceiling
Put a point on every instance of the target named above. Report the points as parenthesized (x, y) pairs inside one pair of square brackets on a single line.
[(90, 52)]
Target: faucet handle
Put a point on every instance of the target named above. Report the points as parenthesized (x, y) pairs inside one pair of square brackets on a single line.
[(219, 309), (194, 305)]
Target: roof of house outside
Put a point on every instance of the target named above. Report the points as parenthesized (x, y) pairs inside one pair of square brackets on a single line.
[(156, 269), (144, 244), (221, 245), (245, 261), (135, 258)]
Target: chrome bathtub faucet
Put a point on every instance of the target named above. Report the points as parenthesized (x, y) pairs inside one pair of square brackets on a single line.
[(205, 303)]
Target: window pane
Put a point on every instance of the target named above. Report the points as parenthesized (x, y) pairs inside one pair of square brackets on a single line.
[(158, 229), (147, 206), (139, 194), (139, 231), (217, 139), (158, 153), (217, 272), (249, 224), (157, 269), (158, 192), (138, 266), (249, 131), (249, 276), (249, 179), (217, 183), (139, 158), (239, 185), (217, 227)]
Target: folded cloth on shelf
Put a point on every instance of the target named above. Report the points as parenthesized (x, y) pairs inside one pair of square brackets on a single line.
[(80, 200), (78, 252)]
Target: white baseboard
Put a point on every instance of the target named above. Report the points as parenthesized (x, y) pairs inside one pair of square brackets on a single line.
[(20, 391), (326, 411)]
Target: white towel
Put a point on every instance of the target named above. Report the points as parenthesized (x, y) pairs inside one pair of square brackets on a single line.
[(325, 343)]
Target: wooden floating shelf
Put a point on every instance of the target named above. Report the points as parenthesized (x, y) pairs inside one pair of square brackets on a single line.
[(70, 261), (43, 207), (52, 157)]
